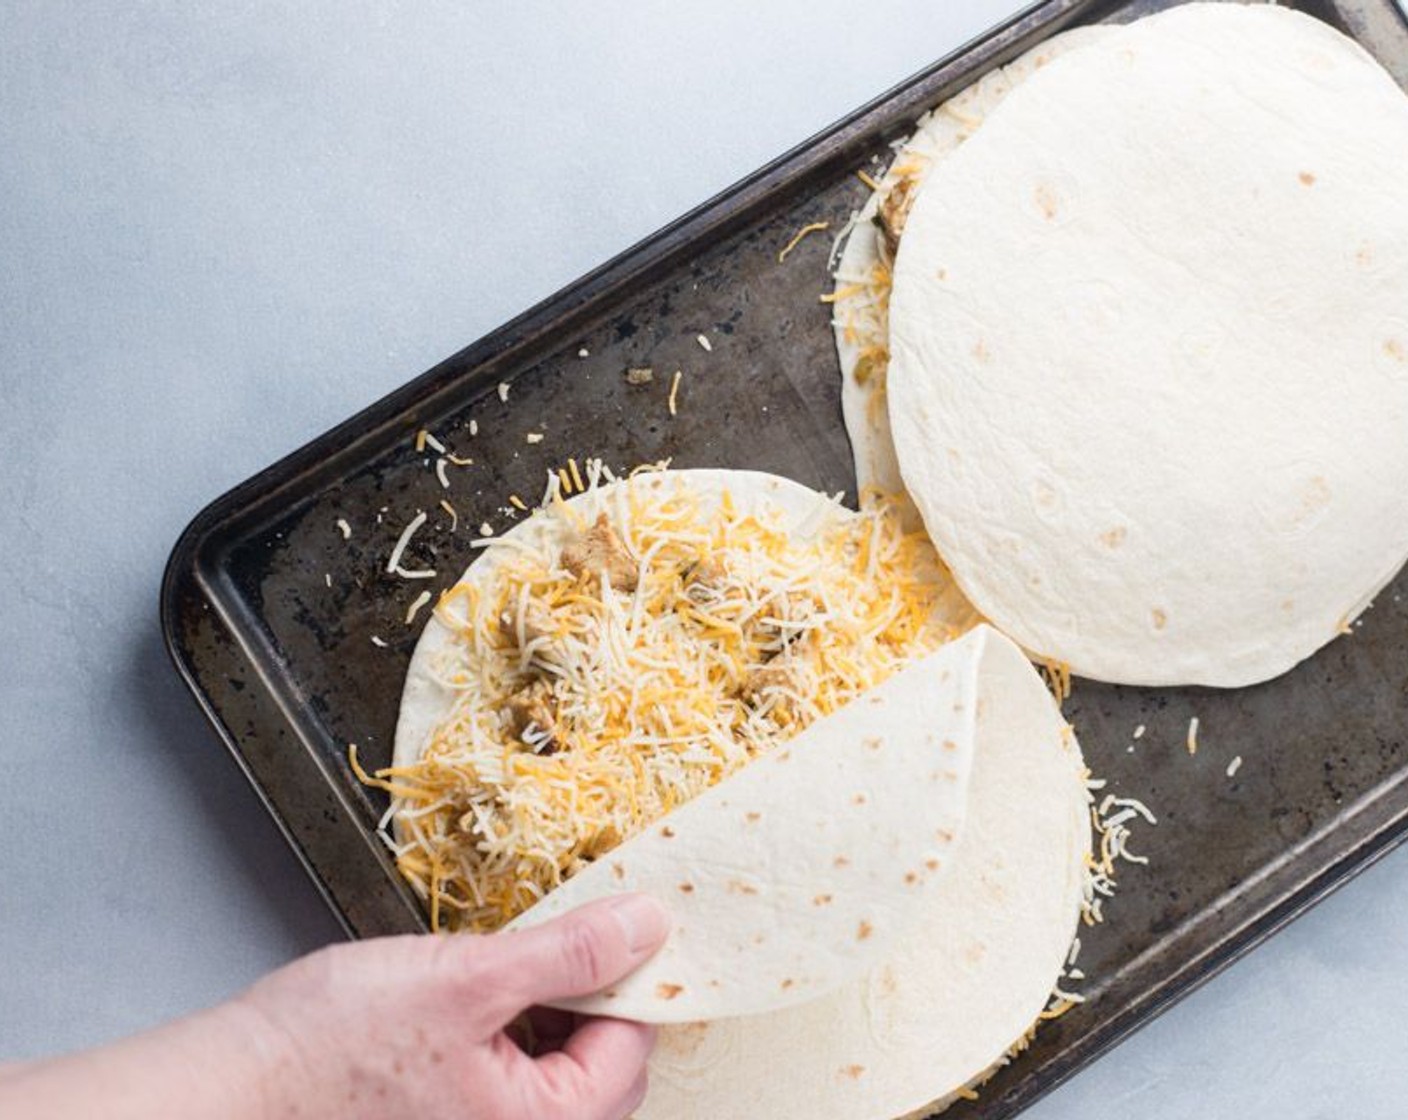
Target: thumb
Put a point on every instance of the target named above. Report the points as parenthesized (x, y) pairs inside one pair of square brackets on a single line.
[(577, 954)]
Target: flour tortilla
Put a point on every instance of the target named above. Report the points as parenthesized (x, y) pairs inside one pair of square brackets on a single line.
[(957, 991), (799, 871), (1149, 380), (937, 134)]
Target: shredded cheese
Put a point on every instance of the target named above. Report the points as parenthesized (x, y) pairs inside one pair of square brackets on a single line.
[(393, 565), (734, 637), (674, 392), (414, 608), (1193, 735), (344, 528), (503, 391), (454, 517), (814, 227)]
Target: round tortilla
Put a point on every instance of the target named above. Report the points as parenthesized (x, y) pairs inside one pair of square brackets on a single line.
[(799, 871), (957, 991), (1149, 374)]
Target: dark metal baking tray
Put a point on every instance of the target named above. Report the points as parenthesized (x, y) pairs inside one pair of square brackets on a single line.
[(269, 613)]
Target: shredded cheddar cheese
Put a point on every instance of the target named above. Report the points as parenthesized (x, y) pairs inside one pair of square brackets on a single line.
[(814, 227), (593, 702)]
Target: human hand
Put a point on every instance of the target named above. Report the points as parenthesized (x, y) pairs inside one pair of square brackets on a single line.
[(419, 1026)]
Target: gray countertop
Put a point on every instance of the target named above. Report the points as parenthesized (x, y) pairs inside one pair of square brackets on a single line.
[(223, 229)]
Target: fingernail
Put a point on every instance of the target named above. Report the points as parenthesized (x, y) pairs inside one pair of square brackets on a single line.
[(643, 921)]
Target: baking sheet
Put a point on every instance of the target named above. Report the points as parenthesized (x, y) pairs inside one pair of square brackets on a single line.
[(270, 614)]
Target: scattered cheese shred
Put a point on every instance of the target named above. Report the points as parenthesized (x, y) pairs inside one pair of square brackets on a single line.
[(454, 517), (534, 437), (576, 474), (503, 391), (1058, 677), (1139, 731), (344, 528), (474, 427), (1193, 735), (843, 292), (440, 472), (517, 503), (1234, 766), (393, 565), (378, 642), (414, 608), (868, 180), (674, 392), (485, 529), (814, 227), (459, 462), (703, 341)]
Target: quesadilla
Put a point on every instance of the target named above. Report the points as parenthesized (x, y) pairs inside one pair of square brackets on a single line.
[(1147, 363)]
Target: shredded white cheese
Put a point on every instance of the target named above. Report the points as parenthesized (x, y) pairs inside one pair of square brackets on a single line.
[(344, 528), (393, 565), (674, 392), (414, 608)]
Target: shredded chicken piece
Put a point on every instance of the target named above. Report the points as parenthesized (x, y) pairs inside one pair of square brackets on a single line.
[(705, 582), (600, 549), (776, 682), (539, 628), (893, 212), (533, 721), (784, 621)]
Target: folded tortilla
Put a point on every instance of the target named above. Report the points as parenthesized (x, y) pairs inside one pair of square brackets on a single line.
[(1149, 371), (968, 980)]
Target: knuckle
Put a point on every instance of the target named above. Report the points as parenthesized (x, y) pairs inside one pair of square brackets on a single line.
[(587, 956), (555, 1094)]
